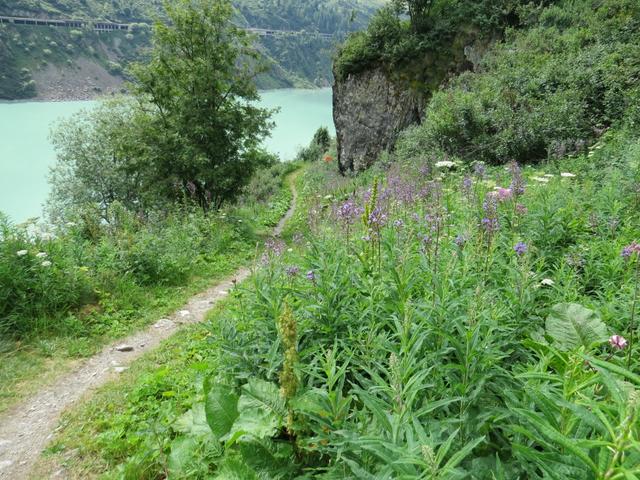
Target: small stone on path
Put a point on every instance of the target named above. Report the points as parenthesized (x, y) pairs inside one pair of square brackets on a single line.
[(120, 369), (184, 313), (124, 348), (164, 323), (5, 464)]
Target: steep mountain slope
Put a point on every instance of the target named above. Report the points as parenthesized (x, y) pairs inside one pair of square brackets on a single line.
[(52, 62)]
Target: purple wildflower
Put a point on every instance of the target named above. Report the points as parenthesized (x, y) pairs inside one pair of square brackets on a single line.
[(398, 224), (426, 240), (521, 209), (520, 248), (424, 170), (630, 249), (311, 276), (505, 194), (490, 225), (467, 186), (618, 342), (479, 169), (460, 241), (292, 271), (275, 247), (377, 218), (490, 222), (348, 212)]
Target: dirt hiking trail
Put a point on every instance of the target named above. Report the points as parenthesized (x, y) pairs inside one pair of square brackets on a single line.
[(27, 428)]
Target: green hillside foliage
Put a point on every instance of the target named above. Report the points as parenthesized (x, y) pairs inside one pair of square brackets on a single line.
[(326, 16), (296, 61), (114, 10), (430, 43), (546, 91)]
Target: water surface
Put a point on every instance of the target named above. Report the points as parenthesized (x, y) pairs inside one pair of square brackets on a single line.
[(26, 152)]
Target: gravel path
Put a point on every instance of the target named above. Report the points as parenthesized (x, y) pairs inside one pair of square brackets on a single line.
[(28, 427)]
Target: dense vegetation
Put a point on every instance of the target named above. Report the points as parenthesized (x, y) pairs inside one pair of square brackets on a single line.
[(546, 91), (153, 196), (436, 317), (429, 44), (429, 325), (26, 52)]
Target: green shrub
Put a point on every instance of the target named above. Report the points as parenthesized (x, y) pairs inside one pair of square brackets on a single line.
[(319, 145), (38, 279), (546, 91)]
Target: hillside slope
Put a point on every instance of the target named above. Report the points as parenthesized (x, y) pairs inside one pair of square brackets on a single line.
[(49, 62)]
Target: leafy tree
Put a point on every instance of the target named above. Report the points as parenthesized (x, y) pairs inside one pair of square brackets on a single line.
[(199, 84), (190, 129), (95, 150), (416, 9)]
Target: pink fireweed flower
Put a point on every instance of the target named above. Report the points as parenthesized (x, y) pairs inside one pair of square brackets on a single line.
[(618, 342), (504, 194)]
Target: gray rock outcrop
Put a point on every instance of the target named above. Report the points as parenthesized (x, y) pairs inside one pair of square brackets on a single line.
[(370, 110)]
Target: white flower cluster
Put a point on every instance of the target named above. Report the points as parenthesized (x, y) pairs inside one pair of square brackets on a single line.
[(445, 164)]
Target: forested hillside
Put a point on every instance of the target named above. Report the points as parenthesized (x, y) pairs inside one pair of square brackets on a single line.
[(50, 61)]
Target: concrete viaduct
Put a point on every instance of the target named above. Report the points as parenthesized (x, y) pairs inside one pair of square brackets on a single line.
[(102, 26)]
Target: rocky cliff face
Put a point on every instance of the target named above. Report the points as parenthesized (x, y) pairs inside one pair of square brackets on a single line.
[(369, 111)]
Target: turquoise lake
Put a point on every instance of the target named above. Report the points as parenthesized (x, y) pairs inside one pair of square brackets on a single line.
[(26, 153)]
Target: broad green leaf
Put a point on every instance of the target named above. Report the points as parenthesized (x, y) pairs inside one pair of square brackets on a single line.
[(181, 456), (233, 468), (193, 422), (221, 409), (571, 326), (264, 395), (262, 411), (256, 422)]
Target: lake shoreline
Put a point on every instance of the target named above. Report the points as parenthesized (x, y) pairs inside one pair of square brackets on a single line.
[(27, 153), (102, 96)]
